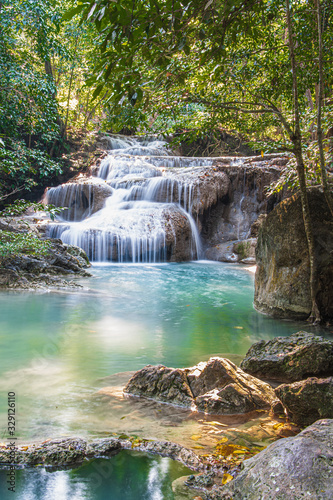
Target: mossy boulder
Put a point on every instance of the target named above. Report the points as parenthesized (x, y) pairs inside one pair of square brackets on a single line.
[(289, 359)]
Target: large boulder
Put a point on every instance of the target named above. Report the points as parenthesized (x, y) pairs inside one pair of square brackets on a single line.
[(289, 359), (294, 468), (217, 386), (282, 278), (307, 400)]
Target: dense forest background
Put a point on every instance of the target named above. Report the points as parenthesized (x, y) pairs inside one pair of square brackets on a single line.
[(194, 69)]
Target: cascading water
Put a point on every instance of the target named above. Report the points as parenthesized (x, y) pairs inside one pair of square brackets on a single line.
[(135, 210)]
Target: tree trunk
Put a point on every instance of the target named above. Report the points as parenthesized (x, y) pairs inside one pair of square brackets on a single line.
[(323, 173), (296, 138)]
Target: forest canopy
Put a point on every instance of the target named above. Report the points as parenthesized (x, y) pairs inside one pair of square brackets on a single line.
[(190, 68)]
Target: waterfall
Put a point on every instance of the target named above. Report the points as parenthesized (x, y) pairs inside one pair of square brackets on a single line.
[(136, 209)]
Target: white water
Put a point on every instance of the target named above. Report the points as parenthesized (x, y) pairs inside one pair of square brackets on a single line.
[(143, 211)]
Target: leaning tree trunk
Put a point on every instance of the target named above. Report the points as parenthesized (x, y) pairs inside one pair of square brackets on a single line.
[(296, 138)]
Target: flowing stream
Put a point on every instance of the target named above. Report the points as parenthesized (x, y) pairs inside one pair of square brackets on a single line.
[(144, 203)]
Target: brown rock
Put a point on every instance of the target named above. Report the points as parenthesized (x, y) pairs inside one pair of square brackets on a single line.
[(216, 386), (220, 387), (292, 468), (289, 359), (307, 400), (161, 383), (282, 278)]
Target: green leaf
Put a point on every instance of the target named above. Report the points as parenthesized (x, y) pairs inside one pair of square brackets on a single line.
[(97, 91), (72, 12)]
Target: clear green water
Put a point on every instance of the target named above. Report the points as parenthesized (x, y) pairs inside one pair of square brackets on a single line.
[(67, 357), (122, 477), (58, 349)]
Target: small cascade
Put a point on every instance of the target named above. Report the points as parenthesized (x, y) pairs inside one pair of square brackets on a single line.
[(145, 205), (133, 211)]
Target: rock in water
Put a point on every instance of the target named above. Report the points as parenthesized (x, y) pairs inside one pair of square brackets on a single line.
[(291, 468), (217, 386), (282, 278), (161, 383), (307, 400), (289, 359)]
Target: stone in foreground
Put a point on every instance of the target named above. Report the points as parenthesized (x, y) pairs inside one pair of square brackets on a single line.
[(291, 468), (161, 383), (289, 359), (308, 400), (217, 386)]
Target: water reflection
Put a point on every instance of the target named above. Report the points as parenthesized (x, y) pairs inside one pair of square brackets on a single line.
[(126, 476)]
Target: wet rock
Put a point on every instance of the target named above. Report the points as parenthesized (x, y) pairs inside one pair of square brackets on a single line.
[(195, 188), (161, 383), (246, 250), (104, 447), (289, 359), (73, 451), (174, 451), (81, 197), (282, 279), (201, 480), (80, 255), (277, 407), (220, 387), (307, 400), (217, 386), (60, 452), (207, 184), (294, 468), (224, 252), (179, 238), (233, 251), (232, 216), (9, 278)]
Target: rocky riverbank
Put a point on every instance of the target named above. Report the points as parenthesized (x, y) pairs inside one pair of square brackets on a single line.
[(53, 268), (294, 467)]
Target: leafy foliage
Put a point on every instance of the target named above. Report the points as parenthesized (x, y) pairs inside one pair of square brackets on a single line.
[(20, 207), (13, 244)]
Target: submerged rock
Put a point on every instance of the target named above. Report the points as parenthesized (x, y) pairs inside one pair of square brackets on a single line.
[(217, 386), (294, 468), (283, 273), (289, 359), (307, 400)]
